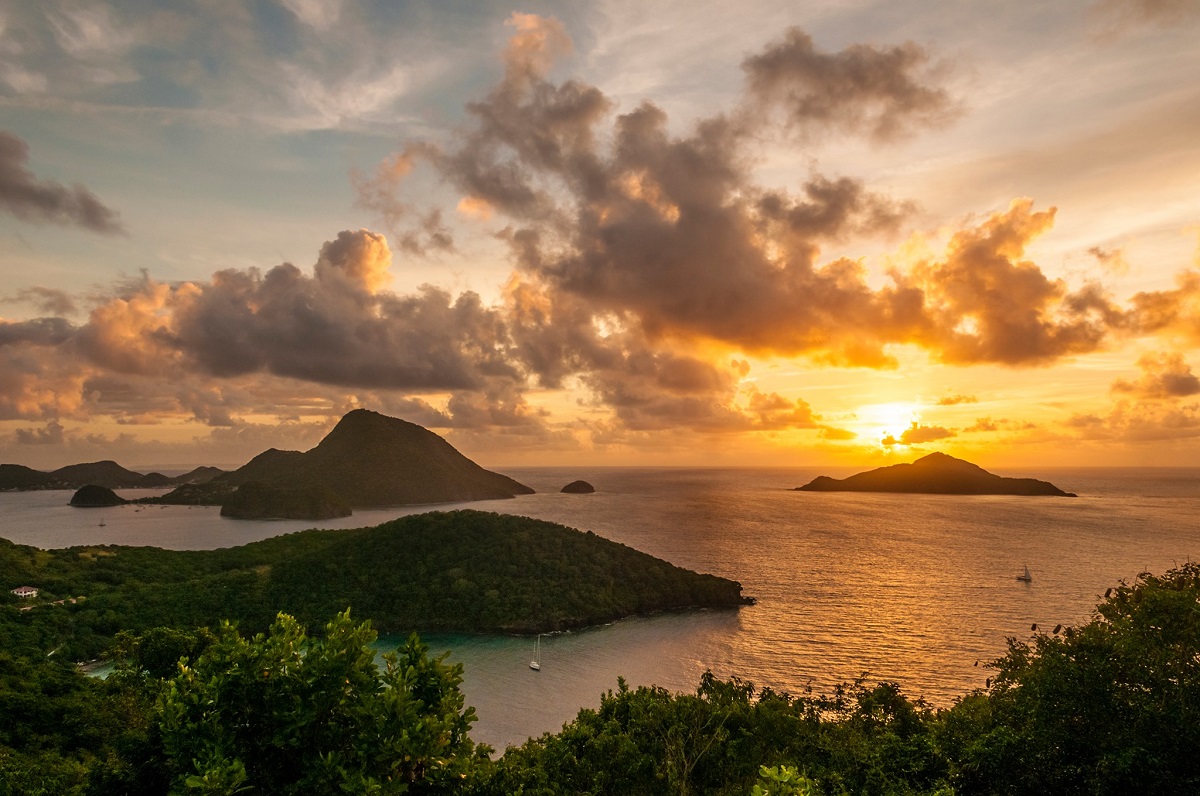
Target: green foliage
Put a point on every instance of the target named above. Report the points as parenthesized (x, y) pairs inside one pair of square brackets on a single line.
[(650, 741), (1109, 707), (255, 501), (284, 713), (460, 571), (781, 781)]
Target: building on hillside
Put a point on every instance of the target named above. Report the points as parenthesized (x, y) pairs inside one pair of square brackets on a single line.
[(25, 592)]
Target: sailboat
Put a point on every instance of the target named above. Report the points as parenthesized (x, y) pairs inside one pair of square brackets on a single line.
[(1025, 576), (101, 522), (536, 663)]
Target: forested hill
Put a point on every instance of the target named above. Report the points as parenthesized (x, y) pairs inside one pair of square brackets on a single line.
[(464, 571)]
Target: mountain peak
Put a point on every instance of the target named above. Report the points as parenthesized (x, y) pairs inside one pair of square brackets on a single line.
[(371, 459)]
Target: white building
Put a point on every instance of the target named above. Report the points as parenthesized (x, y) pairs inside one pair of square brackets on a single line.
[(25, 592)]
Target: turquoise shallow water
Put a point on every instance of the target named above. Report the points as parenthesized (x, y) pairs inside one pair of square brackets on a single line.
[(912, 588)]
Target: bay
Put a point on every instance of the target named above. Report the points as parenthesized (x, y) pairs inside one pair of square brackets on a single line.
[(916, 589)]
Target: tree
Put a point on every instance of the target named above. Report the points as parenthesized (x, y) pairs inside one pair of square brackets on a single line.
[(1109, 707), (284, 713)]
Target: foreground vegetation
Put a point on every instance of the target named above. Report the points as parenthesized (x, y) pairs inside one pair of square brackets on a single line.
[(1109, 707)]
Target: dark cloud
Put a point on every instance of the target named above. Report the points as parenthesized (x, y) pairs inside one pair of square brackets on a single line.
[(51, 301), (335, 327), (39, 331), (44, 201), (1164, 376), (882, 92), (50, 434)]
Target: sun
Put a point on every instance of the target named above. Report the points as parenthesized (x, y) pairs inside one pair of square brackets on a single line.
[(877, 421)]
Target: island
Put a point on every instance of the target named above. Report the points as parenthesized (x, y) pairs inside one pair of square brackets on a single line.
[(937, 474), (107, 473), (578, 488), (95, 496), (368, 460)]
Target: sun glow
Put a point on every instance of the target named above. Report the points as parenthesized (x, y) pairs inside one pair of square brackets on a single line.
[(877, 421)]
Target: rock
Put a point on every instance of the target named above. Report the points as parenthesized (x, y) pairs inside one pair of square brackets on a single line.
[(96, 496), (579, 488)]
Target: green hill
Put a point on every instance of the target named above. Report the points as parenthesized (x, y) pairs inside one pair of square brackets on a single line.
[(465, 571)]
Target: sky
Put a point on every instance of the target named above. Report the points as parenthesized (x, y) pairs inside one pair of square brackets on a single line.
[(602, 233)]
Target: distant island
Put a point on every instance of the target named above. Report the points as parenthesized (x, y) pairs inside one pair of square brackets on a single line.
[(578, 488), (368, 460), (937, 474), (108, 474)]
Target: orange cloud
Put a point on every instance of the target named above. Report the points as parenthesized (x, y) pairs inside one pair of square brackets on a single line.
[(1164, 376)]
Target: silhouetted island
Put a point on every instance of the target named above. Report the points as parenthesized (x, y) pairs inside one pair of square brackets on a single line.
[(95, 496), (937, 474), (367, 460), (107, 473), (579, 488)]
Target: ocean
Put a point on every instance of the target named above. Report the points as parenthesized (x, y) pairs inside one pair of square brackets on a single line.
[(916, 589)]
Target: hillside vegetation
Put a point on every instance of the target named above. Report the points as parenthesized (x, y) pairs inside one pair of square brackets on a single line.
[(465, 571)]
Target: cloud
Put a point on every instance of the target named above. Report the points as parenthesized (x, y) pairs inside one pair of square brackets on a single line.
[(955, 400), (1121, 14), (917, 434), (51, 434), (984, 303), (52, 301), (882, 92), (39, 331), (1113, 260), (665, 228), (45, 201), (1164, 376)]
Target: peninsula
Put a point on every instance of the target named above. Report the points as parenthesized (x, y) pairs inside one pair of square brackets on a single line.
[(460, 571), (937, 474)]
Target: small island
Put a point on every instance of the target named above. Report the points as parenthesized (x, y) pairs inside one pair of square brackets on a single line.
[(935, 474), (578, 488), (92, 496)]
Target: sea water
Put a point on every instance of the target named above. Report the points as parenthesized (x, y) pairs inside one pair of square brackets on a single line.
[(916, 589)]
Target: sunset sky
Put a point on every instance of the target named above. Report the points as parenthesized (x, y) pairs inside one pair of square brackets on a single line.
[(612, 232)]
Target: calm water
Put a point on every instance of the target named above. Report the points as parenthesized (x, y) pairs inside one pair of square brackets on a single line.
[(912, 588)]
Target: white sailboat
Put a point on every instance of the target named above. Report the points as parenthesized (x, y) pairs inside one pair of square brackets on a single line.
[(536, 663), (101, 522), (1025, 576)]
